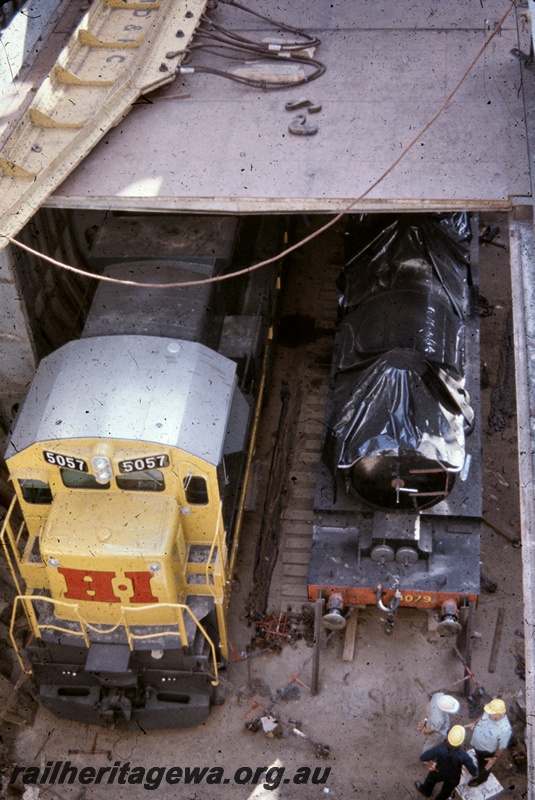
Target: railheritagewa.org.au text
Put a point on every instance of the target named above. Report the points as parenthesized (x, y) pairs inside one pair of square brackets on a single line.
[(151, 778)]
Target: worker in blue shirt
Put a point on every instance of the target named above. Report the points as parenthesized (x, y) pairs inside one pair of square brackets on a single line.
[(446, 762)]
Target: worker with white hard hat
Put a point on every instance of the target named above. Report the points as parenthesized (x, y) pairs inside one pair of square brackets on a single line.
[(437, 720)]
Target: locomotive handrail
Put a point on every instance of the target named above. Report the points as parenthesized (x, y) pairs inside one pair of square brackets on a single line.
[(216, 542), (148, 608), (100, 630), (252, 443), (28, 600), (7, 537), (181, 628)]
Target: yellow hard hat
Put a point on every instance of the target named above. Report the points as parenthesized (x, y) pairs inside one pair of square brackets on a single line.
[(496, 706), (456, 735)]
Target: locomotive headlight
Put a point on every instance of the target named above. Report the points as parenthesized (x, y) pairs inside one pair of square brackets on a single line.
[(154, 567), (102, 468), (53, 562)]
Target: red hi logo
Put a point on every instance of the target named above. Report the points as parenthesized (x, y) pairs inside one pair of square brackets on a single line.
[(84, 584)]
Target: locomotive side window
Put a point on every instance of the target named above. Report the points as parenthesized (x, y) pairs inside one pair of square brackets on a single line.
[(151, 480), (35, 492), (196, 490), (73, 479)]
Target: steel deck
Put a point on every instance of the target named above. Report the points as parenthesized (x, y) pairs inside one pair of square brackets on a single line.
[(210, 144)]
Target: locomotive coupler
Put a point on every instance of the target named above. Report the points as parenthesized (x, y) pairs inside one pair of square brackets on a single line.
[(114, 706), (391, 608)]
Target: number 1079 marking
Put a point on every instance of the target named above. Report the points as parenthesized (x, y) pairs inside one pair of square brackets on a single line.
[(417, 598)]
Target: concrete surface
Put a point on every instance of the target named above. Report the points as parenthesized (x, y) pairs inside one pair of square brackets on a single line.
[(208, 143)]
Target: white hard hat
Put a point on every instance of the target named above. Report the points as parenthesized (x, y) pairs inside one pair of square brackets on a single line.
[(449, 704)]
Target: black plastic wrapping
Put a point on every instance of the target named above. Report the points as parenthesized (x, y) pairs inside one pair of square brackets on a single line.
[(398, 398)]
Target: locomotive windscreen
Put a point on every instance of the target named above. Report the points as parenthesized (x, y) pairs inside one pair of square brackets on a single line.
[(400, 411)]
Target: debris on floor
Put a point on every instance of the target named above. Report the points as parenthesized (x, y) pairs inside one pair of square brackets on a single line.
[(275, 630), (321, 750), (273, 728), (267, 723), (485, 791)]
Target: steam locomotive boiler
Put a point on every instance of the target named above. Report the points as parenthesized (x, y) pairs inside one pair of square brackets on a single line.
[(129, 460), (398, 501)]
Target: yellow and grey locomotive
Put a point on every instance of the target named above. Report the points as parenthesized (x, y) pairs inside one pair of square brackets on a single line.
[(129, 460)]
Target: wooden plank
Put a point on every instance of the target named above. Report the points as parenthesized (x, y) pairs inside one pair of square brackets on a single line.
[(467, 689), (497, 639), (350, 636)]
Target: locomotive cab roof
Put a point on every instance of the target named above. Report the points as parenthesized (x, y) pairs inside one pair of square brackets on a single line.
[(138, 388)]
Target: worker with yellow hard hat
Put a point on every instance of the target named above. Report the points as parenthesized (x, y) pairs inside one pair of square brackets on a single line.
[(491, 736), (446, 762)]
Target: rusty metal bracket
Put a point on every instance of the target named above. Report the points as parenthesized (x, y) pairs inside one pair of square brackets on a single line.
[(303, 102), (298, 126), (526, 58)]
